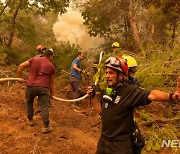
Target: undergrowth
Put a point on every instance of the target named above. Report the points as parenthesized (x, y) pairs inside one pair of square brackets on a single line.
[(158, 127)]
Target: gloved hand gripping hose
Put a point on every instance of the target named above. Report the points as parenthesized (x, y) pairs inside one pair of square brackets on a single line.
[(93, 93)]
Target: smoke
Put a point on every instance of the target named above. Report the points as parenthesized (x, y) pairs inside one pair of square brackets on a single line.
[(69, 27)]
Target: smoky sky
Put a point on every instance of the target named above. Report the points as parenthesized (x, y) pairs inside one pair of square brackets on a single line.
[(69, 28)]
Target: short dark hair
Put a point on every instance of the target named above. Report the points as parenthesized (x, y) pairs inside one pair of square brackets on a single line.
[(79, 53), (48, 53)]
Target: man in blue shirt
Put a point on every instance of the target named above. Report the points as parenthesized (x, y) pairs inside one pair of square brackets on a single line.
[(75, 75)]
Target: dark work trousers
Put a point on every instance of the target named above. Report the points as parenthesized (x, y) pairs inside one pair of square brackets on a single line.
[(114, 147), (38, 105), (138, 141), (76, 85), (43, 97)]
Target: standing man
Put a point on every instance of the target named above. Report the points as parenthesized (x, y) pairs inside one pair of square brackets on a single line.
[(75, 76), (40, 83), (116, 108)]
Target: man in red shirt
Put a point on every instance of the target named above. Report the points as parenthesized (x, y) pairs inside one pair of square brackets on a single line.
[(40, 83)]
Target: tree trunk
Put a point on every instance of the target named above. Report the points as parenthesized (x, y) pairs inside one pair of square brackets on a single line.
[(132, 21), (13, 23), (126, 26)]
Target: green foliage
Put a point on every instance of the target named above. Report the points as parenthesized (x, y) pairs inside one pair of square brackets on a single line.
[(108, 19), (9, 56), (30, 31), (101, 17), (62, 78), (146, 118), (157, 130), (156, 68), (41, 7), (160, 68), (3, 56), (47, 6), (99, 77), (26, 31), (155, 135), (65, 53), (23, 27)]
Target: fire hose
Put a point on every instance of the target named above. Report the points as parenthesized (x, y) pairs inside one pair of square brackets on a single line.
[(71, 100), (56, 98), (10, 79)]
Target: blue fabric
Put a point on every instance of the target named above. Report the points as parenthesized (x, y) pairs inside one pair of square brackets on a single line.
[(73, 71), (135, 80)]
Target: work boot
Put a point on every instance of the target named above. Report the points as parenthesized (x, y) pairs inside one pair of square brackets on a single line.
[(47, 129), (31, 123)]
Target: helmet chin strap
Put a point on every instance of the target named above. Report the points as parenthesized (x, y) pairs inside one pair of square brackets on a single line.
[(115, 85)]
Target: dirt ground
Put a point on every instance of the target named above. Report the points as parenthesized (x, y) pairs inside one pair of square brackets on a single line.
[(74, 131)]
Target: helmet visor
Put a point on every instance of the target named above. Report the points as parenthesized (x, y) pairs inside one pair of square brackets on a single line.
[(113, 61)]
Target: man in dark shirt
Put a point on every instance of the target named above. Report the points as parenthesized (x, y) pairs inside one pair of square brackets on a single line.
[(40, 83), (116, 108)]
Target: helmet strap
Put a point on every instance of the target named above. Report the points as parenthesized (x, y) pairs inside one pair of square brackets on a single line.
[(118, 82)]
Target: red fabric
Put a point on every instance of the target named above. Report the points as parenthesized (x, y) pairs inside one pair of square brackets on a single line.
[(40, 72)]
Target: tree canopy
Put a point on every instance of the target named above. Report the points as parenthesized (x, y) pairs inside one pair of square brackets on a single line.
[(132, 22), (11, 9)]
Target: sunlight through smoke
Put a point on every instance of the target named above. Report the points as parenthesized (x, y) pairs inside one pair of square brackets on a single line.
[(69, 27)]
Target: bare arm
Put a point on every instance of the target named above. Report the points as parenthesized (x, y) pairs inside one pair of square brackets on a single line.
[(160, 96), (51, 86), (21, 68), (76, 68)]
